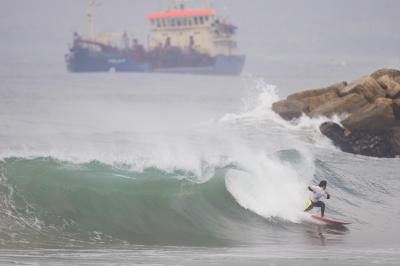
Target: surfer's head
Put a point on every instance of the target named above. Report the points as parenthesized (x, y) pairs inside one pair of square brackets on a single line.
[(323, 184)]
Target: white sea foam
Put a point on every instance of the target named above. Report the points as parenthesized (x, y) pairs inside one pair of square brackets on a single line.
[(268, 187), (258, 108), (258, 102)]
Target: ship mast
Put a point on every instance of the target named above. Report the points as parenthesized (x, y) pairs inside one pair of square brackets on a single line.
[(92, 4), (181, 4), (177, 4)]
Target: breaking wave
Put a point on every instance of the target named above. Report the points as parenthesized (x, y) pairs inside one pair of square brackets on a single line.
[(237, 180)]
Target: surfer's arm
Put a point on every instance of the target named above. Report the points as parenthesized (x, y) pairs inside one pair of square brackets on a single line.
[(327, 195), (310, 189)]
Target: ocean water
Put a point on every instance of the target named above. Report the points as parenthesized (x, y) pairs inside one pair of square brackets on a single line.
[(125, 169)]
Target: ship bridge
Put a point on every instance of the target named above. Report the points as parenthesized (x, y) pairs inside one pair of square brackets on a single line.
[(192, 29)]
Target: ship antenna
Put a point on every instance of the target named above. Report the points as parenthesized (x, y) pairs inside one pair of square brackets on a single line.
[(225, 17), (172, 4), (177, 4), (92, 4)]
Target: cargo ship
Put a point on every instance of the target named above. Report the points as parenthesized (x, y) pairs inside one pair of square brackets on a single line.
[(181, 40)]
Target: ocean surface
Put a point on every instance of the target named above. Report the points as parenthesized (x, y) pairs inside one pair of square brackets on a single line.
[(154, 169)]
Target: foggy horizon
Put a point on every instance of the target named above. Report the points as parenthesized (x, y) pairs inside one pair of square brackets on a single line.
[(268, 30)]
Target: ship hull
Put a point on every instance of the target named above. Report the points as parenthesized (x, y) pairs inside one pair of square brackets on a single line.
[(222, 65), (85, 60)]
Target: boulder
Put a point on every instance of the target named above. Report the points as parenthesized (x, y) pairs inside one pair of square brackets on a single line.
[(394, 93), (395, 140), (392, 73), (313, 93), (385, 144), (346, 104), (366, 86), (392, 87), (311, 103), (288, 109), (372, 118), (376, 145), (337, 134), (396, 109), (314, 98)]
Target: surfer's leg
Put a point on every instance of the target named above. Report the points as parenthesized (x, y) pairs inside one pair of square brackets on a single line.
[(320, 204)]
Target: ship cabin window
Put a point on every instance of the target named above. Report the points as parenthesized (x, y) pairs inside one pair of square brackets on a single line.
[(201, 20), (185, 21), (195, 20), (158, 23), (172, 22), (206, 18), (178, 21), (163, 22), (189, 20)]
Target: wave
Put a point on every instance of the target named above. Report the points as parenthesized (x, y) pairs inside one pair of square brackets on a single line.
[(54, 203), (240, 179), (61, 202)]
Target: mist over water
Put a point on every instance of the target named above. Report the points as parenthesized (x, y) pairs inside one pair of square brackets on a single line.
[(179, 169)]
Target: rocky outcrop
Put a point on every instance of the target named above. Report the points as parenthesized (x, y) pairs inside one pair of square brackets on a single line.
[(384, 144), (365, 86), (372, 118), (318, 92), (289, 109), (395, 139), (392, 87), (337, 134), (392, 73), (396, 109), (307, 101), (370, 104), (346, 104)]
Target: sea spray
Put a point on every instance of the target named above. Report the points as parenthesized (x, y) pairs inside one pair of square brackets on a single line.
[(269, 188)]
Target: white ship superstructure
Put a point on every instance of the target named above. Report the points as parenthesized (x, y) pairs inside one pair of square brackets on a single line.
[(198, 29)]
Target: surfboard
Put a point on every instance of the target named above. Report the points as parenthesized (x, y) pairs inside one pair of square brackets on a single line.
[(328, 220)]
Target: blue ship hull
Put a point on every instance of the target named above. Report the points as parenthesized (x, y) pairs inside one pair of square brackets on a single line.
[(85, 60), (88, 60), (223, 65)]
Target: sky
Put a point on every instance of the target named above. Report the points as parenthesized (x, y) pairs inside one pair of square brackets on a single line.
[(268, 29)]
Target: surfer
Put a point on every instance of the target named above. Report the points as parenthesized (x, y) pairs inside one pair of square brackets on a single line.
[(318, 193)]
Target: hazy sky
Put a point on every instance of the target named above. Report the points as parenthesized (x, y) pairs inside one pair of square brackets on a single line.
[(267, 28)]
